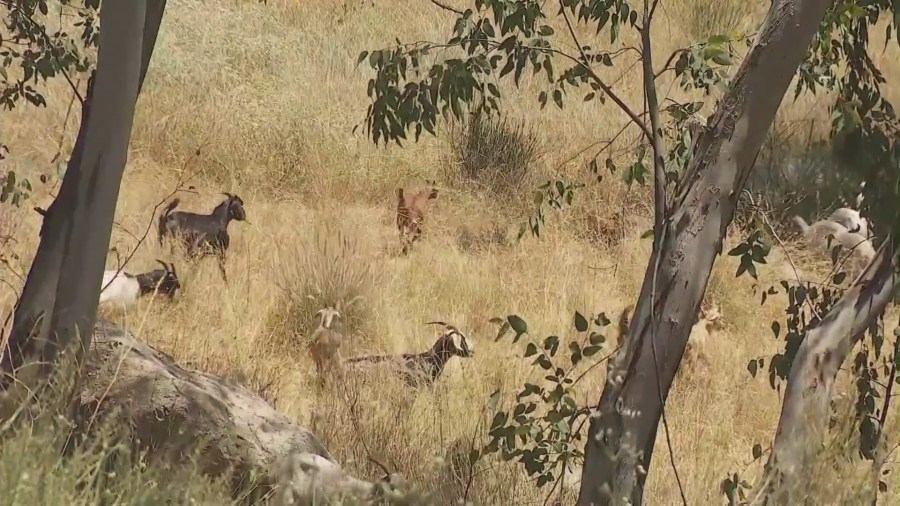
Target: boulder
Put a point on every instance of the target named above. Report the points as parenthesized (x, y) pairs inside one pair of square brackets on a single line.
[(175, 412)]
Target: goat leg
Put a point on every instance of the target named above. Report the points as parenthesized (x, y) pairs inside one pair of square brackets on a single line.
[(221, 258)]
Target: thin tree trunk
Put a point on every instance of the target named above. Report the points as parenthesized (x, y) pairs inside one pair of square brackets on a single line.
[(59, 300), (621, 439), (805, 410)]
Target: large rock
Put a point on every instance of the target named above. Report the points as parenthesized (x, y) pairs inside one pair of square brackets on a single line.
[(175, 412)]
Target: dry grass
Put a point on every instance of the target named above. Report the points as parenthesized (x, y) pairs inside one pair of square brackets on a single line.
[(270, 94)]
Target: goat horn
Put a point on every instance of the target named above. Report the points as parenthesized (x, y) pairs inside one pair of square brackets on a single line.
[(166, 267), (172, 265), (445, 324), (352, 301), (228, 194)]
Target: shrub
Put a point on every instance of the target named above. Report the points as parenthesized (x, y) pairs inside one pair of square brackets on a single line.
[(494, 151), (326, 271)]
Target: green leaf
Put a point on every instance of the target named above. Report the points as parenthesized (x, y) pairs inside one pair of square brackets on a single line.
[(757, 451), (362, 56), (581, 323), (502, 331), (557, 98), (545, 31), (589, 351), (752, 367), (551, 343), (722, 59), (518, 324)]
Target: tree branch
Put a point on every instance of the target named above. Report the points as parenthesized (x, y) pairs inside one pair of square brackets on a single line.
[(447, 7), (660, 210), (669, 62), (585, 62)]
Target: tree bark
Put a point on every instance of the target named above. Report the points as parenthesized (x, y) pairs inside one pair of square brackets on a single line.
[(805, 410), (59, 300), (621, 438)]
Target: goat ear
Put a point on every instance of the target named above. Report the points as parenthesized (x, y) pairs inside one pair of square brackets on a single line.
[(400, 193), (457, 340)]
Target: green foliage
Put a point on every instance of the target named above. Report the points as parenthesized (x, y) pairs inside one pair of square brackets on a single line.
[(542, 430), (494, 152), (496, 39), (39, 54), (554, 194), (34, 53), (752, 251), (704, 65), (14, 190)]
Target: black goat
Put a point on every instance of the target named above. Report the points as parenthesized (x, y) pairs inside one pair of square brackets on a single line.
[(424, 368), (202, 234), (124, 289)]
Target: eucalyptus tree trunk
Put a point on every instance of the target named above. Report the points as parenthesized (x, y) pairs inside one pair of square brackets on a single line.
[(58, 305), (621, 438), (806, 407)]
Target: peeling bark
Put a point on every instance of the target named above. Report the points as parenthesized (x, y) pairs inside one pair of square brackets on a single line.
[(620, 443)]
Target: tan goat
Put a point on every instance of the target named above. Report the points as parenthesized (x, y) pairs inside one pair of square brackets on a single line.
[(411, 213), (325, 343), (710, 320)]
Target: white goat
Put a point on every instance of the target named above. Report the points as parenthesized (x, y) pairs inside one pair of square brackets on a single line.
[(123, 289), (852, 221), (859, 251)]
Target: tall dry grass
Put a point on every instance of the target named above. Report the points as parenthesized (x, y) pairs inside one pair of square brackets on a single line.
[(269, 94)]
